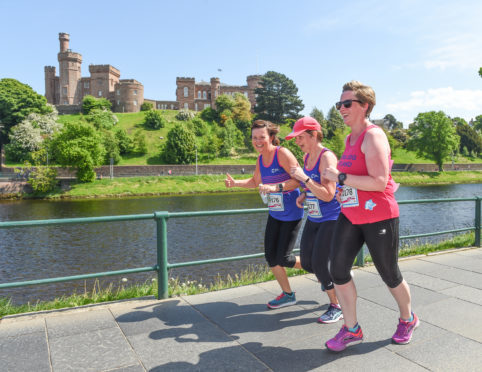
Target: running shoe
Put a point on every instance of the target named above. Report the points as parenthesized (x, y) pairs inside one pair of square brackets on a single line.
[(332, 315), (284, 299), (405, 329), (344, 338)]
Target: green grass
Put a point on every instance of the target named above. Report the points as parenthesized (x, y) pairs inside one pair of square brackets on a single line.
[(437, 178), (254, 274)]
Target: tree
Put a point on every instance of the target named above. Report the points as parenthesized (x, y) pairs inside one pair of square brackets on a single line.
[(154, 120), (469, 138), (277, 98), (480, 72), (101, 118), (433, 135), (17, 101), (478, 123), (180, 147), (320, 118), (241, 109), (391, 123), (42, 178), (79, 145), (146, 106), (334, 122), (90, 103)]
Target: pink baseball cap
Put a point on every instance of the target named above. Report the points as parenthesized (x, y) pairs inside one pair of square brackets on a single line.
[(302, 125)]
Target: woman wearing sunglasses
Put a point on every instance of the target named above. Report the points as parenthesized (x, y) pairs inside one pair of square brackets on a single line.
[(369, 214), (323, 208), (284, 220)]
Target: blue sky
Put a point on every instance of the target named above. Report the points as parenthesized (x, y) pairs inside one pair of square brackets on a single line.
[(417, 55)]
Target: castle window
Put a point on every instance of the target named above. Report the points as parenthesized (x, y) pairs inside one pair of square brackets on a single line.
[(118, 103), (118, 92), (135, 92), (186, 91), (246, 94), (158, 106), (86, 84), (198, 94), (66, 102), (64, 91), (135, 103), (195, 107), (172, 107), (186, 106), (204, 95), (100, 93)]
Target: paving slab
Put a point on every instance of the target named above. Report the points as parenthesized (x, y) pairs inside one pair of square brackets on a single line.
[(24, 352)]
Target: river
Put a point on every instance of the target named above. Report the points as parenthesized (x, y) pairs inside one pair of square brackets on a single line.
[(51, 251)]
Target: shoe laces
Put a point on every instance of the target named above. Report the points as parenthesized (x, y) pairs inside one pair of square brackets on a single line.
[(280, 296), (402, 328), (341, 335)]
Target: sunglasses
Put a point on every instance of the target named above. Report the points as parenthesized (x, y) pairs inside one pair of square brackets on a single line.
[(347, 103)]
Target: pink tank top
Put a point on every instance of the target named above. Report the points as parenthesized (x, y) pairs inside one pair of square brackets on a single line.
[(360, 206)]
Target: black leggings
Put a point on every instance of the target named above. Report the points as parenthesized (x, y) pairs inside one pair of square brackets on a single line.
[(315, 250), (279, 241), (381, 239)]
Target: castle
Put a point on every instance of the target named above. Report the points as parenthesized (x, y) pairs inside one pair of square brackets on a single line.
[(67, 90)]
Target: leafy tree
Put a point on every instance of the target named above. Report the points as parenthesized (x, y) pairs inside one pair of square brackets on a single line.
[(209, 147), (200, 127), (469, 138), (224, 102), (42, 178), (17, 101), (320, 118), (334, 122), (180, 146), (391, 123), (337, 142), (140, 142), (29, 135), (400, 135), (111, 146), (242, 108), (154, 120), (208, 114), (480, 72), (101, 118), (90, 103), (79, 145), (294, 148), (124, 141), (478, 123), (433, 135), (277, 98), (146, 106)]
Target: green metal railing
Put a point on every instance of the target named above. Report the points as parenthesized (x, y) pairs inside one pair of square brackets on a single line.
[(162, 266)]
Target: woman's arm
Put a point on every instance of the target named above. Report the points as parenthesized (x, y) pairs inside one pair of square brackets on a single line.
[(249, 183), (287, 160)]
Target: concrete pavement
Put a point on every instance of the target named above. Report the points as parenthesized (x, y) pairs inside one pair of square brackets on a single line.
[(232, 330)]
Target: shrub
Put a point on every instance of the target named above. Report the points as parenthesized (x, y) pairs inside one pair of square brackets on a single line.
[(208, 114), (140, 142), (185, 115), (200, 127), (90, 102), (101, 118), (180, 146), (154, 120), (146, 106), (124, 141)]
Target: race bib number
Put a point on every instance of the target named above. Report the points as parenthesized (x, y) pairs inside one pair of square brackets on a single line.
[(349, 197), (275, 202), (313, 206)]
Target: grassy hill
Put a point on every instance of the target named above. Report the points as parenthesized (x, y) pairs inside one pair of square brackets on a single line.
[(132, 122)]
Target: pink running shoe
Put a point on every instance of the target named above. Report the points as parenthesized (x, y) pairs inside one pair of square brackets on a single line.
[(344, 338), (404, 332)]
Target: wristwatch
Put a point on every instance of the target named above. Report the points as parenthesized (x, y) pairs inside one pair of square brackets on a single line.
[(280, 187), (341, 178)]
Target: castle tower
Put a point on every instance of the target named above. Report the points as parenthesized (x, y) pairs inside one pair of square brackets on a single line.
[(129, 96), (215, 90), (51, 85), (69, 73), (185, 92), (253, 83)]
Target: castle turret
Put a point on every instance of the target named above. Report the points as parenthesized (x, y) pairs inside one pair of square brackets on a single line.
[(69, 74), (215, 90), (51, 85), (129, 96), (253, 83)]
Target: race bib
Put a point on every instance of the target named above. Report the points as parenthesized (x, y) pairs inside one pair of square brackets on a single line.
[(313, 206), (275, 202), (349, 197)]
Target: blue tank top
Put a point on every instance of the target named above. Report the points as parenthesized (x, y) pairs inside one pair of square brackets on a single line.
[(319, 210), (282, 205)]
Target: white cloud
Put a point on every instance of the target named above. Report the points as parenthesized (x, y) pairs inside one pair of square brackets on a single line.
[(466, 103), (463, 50)]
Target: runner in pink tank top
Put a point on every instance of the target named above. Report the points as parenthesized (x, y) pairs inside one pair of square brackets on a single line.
[(369, 215)]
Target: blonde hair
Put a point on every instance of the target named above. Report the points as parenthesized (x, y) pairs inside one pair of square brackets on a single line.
[(316, 133), (364, 93), (272, 128)]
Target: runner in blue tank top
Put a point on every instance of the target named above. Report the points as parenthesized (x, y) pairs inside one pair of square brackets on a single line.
[(323, 209), (272, 177)]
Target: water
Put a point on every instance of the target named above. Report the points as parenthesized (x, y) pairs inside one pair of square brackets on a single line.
[(52, 251)]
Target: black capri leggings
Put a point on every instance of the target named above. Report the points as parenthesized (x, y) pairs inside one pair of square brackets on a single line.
[(382, 242), (315, 250), (279, 241)]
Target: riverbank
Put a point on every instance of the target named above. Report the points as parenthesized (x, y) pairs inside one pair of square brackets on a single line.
[(172, 185)]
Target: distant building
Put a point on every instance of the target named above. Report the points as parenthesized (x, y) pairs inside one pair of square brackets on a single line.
[(67, 90)]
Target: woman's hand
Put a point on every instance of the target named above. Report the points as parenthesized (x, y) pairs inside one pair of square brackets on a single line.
[(229, 181), (300, 199), (297, 173), (267, 188)]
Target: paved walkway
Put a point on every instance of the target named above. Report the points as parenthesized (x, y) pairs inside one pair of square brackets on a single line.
[(232, 329)]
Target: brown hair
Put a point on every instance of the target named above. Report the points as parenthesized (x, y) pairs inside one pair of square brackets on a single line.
[(364, 93), (272, 128), (317, 133)]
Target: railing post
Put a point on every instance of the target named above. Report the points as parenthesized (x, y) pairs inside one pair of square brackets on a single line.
[(360, 259), (162, 277), (478, 200)]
